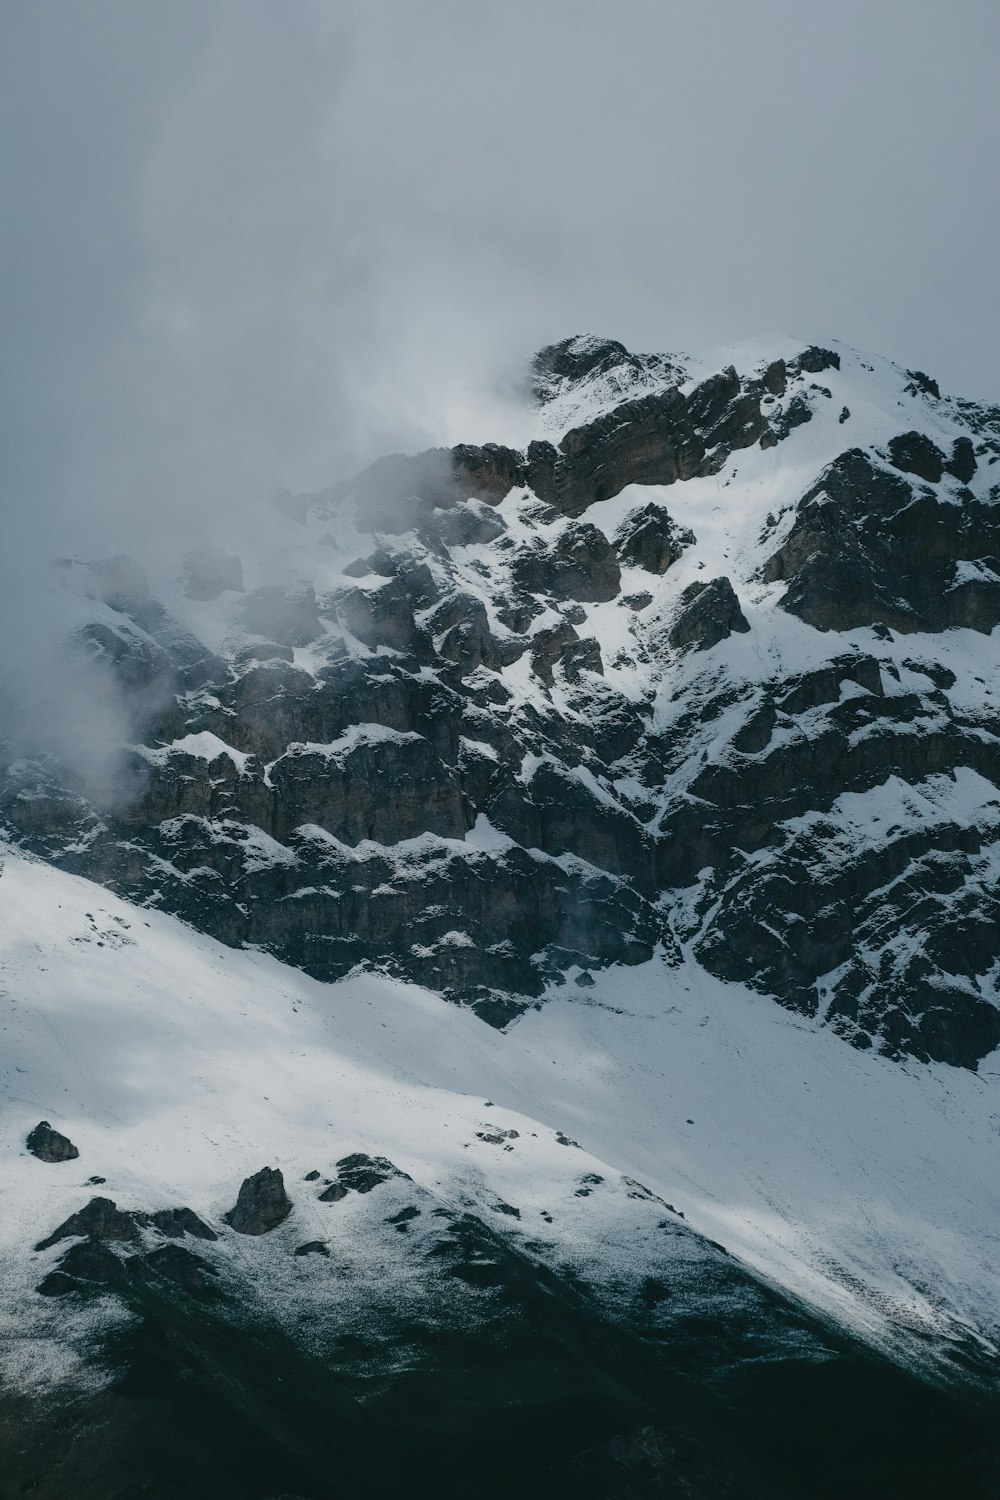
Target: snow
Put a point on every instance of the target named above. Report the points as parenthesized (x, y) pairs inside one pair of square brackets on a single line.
[(204, 745), (178, 1067), (868, 1187)]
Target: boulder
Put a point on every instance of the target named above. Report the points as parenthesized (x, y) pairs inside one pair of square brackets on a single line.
[(709, 612), (775, 378), (49, 1145), (262, 1203)]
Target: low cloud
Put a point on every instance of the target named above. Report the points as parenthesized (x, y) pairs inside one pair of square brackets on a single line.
[(251, 246)]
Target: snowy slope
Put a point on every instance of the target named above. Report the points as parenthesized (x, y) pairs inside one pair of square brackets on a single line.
[(178, 1067), (542, 833)]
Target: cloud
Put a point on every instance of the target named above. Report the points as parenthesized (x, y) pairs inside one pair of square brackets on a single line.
[(249, 245)]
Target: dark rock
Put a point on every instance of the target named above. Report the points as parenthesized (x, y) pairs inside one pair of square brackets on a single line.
[(574, 358), (650, 538), (96, 1181), (636, 602), (709, 612), (334, 1193), (519, 612), (924, 383), (58, 1284), (101, 1219), (177, 1222), (48, 1145), (540, 470), (656, 439), (582, 656), (580, 565), (362, 1173), (962, 463), (378, 617), (914, 453), (471, 524), (262, 1203), (176, 1264), (85, 1267), (385, 789), (775, 378), (547, 646), (866, 549), (404, 1217), (313, 1247), (796, 414), (312, 1176), (487, 473), (814, 359), (398, 493), (465, 637)]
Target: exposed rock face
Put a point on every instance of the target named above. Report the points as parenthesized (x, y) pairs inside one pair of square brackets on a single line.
[(914, 453), (49, 1145), (217, 1381), (814, 359), (656, 439), (102, 1219), (262, 1203), (709, 612), (177, 1222), (502, 761), (867, 549), (360, 1173), (649, 538)]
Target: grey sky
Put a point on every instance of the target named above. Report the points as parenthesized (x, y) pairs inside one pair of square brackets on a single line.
[(250, 244)]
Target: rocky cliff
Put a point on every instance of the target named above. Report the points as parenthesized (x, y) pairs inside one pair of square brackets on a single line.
[(661, 736), (710, 673)]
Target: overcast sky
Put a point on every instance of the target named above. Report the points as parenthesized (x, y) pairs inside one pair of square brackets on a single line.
[(253, 244)]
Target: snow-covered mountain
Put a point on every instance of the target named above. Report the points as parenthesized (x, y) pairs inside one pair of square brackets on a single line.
[(572, 868)]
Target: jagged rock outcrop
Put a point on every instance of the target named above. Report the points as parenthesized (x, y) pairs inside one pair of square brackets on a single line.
[(49, 1144), (467, 752), (359, 1173), (868, 548), (262, 1203), (649, 538), (709, 612)]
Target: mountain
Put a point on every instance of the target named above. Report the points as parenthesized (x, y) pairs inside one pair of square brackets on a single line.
[(529, 1020)]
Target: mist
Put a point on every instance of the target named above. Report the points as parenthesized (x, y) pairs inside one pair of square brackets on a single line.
[(250, 247)]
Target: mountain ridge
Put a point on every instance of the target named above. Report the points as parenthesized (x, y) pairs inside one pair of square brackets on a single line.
[(665, 743), (518, 674)]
